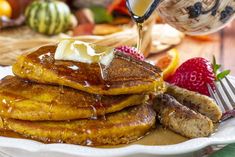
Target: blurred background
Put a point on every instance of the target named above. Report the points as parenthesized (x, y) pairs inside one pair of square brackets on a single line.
[(104, 22)]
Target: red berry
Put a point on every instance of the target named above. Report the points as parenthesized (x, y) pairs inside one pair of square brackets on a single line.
[(131, 51), (194, 75)]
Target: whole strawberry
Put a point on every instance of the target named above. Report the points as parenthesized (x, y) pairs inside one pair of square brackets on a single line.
[(194, 75), (131, 51)]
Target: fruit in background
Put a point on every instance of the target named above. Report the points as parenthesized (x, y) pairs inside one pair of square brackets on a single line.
[(77, 4), (84, 15), (118, 6), (48, 17), (131, 51), (169, 63), (101, 15), (83, 29), (5, 8), (18, 7), (194, 75)]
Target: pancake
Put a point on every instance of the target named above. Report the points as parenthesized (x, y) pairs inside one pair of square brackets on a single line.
[(25, 100), (124, 75), (117, 128)]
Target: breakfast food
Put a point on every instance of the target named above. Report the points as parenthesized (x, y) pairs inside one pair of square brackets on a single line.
[(169, 63), (194, 75), (132, 51), (118, 128), (37, 14), (195, 101), (182, 119), (91, 96), (124, 75), (25, 100), (80, 93)]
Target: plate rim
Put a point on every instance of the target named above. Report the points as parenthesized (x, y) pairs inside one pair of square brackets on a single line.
[(181, 148)]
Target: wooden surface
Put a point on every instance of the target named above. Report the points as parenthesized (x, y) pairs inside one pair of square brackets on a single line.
[(222, 46)]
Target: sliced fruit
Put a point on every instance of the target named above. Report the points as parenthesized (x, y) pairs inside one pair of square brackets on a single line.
[(169, 63), (5, 8), (203, 38)]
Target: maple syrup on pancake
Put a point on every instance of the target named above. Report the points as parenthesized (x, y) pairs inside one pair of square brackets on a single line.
[(157, 137), (83, 73)]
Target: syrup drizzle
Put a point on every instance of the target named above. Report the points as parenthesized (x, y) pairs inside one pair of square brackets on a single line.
[(85, 74), (140, 11)]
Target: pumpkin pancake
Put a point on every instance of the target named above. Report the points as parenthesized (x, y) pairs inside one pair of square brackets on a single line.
[(124, 75), (25, 100), (121, 127)]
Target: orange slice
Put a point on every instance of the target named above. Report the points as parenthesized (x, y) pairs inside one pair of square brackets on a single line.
[(169, 63)]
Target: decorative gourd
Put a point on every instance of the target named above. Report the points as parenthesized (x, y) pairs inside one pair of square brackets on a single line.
[(48, 16)]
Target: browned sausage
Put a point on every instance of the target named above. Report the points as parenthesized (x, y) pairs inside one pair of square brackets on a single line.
[(180, 118)]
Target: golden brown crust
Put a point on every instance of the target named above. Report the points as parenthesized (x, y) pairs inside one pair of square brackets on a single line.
[(181, 119), (124, 75), (20, 99), (117, 128), (197, 102)]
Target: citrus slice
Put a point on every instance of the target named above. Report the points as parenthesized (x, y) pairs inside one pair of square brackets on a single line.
[(169, 63)]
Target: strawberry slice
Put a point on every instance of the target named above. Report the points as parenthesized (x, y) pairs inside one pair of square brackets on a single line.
[(131, 51)]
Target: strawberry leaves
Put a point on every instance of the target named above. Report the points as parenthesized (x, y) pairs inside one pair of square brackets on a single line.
[(216, 67)]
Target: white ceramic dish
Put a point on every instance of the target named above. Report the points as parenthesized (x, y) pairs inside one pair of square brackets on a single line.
[(10, 147)]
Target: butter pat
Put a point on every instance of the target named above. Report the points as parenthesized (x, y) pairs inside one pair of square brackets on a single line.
[(75, 50)]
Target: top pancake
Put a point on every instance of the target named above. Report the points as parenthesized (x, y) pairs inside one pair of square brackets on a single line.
[(20, 99), (124, 75)]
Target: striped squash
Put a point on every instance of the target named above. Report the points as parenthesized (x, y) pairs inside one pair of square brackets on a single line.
[(48, 16)]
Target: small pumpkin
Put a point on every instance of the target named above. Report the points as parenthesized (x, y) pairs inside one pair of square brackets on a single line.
[(48, 16)]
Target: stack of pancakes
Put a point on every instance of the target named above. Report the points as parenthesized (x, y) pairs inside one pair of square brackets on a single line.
[(78, 103)]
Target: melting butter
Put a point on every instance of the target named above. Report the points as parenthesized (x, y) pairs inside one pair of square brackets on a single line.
[(75, 50)]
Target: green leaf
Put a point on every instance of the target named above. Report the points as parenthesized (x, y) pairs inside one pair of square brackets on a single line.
[(216, 66), (101, 15), (214, 60), (223, 74)]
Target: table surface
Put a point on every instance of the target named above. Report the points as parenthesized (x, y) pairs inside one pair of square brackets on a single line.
[(221, 46)]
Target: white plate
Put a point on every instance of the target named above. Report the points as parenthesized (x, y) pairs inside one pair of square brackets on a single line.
[(25, 148)]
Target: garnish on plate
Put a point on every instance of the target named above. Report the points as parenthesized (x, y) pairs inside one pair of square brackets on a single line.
[(131, 51), (216, 67), (169, 63), (196, 73)]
